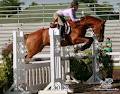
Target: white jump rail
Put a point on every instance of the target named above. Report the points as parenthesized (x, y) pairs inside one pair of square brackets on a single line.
[(115, 56)]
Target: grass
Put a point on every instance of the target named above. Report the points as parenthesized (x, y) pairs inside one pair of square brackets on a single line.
[(116, 67)]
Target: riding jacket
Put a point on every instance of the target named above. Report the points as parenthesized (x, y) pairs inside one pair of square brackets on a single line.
[(70, 12)]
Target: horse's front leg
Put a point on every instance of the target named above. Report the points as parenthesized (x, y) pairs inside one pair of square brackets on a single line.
[(87, 40)]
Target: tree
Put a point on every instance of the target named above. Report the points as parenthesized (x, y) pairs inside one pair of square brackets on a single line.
[(15, 3), (11, 3), (34, 3), (88, 1)]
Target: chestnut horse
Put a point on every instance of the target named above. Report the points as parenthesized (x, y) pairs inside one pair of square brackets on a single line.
[(37, 40)]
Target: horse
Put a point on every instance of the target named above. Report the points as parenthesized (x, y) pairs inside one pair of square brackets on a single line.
[(37, 40)]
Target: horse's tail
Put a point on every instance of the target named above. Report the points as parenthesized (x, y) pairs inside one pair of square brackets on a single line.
[(25, 37), (7, 50)]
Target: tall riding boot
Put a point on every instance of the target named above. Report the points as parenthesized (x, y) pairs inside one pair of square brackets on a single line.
[(62, 30)]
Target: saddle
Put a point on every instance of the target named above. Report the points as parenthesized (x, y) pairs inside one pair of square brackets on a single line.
[(53, 25), (67, 28)]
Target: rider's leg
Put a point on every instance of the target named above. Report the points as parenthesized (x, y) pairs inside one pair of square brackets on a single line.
[(55, 18), (60, 21), (62, 30)]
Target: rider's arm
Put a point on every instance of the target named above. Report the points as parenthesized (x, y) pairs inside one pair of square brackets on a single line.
[(72, 15)]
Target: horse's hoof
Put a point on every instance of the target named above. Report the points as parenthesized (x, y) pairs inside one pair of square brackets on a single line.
[(63, 42), (27, 60), (75, 50)]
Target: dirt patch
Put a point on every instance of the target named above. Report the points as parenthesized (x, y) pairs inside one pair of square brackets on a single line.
[(89, 89), (116, 74)]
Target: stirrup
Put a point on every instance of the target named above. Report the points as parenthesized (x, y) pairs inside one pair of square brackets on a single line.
[(62, 38)]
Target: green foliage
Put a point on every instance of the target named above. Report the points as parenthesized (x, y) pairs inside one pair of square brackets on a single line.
[(2, 78), (2, 73), (6, 74), (87, 1), (8, 63), (87, 60), (80, 69), (107, 65), (33, 4), (9, 9), (11, 3)]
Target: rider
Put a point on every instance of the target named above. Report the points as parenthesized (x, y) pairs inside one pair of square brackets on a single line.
[(69, 12)]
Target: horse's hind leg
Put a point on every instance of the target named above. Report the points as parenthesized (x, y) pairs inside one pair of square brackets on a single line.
[(32, 52)]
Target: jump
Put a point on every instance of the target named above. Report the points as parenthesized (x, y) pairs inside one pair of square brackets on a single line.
[(37, 40)]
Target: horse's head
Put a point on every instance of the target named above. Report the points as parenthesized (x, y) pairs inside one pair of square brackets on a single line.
[(99, 30), (96, 24)]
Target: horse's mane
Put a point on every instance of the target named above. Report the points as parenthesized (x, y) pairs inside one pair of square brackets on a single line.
[(73, 24), (91, 20), (84, 20), (91, 17)]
